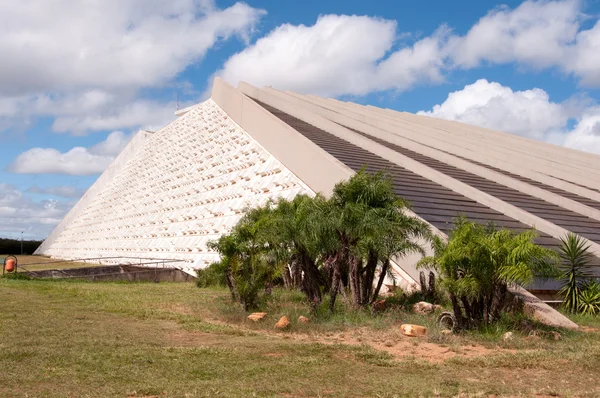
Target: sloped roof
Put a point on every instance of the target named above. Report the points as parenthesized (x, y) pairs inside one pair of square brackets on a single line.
[(171, 192)]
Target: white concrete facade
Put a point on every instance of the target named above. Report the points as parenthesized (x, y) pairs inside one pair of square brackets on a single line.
[(171, 192)]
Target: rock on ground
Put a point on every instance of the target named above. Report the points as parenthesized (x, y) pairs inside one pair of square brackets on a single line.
[(283, 323), (257, 316), (379, 306), (413, 330), (423, 307)]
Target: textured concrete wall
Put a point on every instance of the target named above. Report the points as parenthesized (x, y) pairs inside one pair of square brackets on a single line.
[(305, 159), (136, 144), (187, 185)]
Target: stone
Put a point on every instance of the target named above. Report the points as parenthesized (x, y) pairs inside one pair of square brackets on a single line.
[(379, 306), (257, 316), (446, 332), (508, 336), (423, 307), (283, 323), (556, 336), (413, 330), (303, 319)]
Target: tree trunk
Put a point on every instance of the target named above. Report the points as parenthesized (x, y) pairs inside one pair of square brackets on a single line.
[(311, 278), (335, 286), (288, 282), (369, 276), (468, 311), (231, 284), (296, 272), (384, 269), (498, 300), (423, 283), (460, 320), (431, 287), (355, 280)]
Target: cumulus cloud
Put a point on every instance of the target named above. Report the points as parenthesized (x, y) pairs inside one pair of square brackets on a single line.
[(145, 114), (77, 161), (61, 190), (539, 34), (84, 63), (529, 113), (35, 218), (357, 55), (535, 33), (337, 55), (586, 134), (58, 44), (489, 104)]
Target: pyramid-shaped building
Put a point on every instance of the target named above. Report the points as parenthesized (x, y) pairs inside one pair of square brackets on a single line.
[(171, 191)]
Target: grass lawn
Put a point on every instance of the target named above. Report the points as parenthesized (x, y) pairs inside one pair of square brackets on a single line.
[(81, 339)]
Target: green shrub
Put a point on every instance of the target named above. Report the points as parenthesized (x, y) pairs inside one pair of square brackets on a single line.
[(589, 299), (477, 265), (213, 275), (575, 270)]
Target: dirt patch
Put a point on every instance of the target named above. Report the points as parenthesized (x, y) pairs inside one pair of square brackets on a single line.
[(391, 341), (402, 347)]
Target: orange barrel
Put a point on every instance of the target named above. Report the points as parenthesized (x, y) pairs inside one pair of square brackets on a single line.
[(10, 265)]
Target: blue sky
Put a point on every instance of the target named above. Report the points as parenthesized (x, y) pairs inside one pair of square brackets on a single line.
[(78, 79)]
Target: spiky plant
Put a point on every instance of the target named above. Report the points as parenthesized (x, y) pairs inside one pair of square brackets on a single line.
[(589, 300), (575, 270)]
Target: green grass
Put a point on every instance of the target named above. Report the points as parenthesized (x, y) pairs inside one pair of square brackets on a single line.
[(78, 339)]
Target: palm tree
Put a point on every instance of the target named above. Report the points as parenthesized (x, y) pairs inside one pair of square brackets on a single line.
[(290, 234), (249, 265), (372, 227), (478, 263), (348, 237), (575, 269)]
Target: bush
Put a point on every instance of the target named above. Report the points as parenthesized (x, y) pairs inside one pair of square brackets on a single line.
[(13, 246), (477, 265), (580, 292), (589, 299), (213, 275)]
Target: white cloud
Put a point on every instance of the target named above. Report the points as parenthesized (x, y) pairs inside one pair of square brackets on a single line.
[(489, 104), (19, 213), (77, 161), (338, 55), (535, 33), (61, 190), (85, 62), (529, 113), (53, 45), (357, 55), (92, 110), (586, 134), (142, 113), (539, 34), (583, 58)]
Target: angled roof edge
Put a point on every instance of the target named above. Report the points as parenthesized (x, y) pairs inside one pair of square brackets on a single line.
[(132, 147), (300, 155)]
